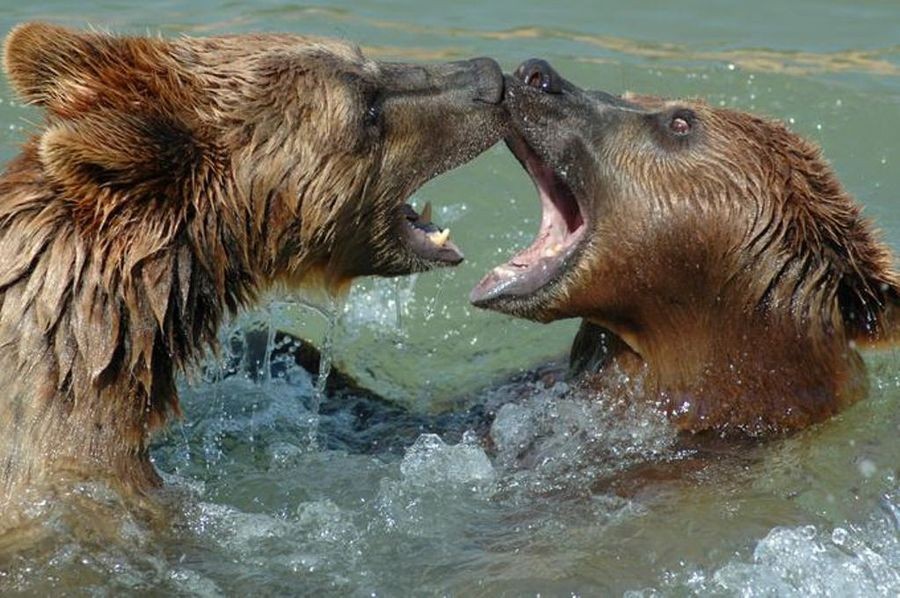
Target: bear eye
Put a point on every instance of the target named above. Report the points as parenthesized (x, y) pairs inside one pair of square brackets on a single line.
[(679, 126), (373, 114), (681, 123)]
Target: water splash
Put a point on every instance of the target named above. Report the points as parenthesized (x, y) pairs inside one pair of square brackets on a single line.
[(266, 373), (325, 361), (565, 438), (431, 309), (398, 304), (331, 311)]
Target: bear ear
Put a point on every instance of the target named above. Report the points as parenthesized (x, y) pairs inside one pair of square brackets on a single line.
[(62, 68), (38, 59), (106, 137), (144, 154)]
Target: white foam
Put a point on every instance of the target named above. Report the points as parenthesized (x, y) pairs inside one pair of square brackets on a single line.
[(564, 437), (842, 561), (431, 462)]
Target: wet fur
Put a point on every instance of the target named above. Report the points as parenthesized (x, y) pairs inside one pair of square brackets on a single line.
[(730, 274), (173, 181)]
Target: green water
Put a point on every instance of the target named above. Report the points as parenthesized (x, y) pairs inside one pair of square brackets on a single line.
[(261, 512)]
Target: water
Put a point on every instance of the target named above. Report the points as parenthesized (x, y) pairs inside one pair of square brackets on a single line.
[(398, 501)]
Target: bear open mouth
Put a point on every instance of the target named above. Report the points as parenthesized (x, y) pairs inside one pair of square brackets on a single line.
[(562, 226), (427, 240)]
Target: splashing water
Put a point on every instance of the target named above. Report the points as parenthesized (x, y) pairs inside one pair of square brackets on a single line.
[(443, 516), (395, 500), (857, 559), (398, 304), (330, 311), (431, 303), (325, 362), (266, 372)]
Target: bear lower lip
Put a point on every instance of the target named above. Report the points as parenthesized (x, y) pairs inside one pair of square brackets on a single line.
[(427, 240), (542, 262)]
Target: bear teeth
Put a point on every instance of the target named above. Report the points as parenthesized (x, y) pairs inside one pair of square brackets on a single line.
[(439, 238), (553, 250)]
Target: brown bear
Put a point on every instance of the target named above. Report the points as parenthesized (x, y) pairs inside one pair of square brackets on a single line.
[(720, 269), (175, 180)]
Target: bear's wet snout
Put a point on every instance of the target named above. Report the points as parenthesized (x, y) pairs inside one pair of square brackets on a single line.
[(539, 74), (490, 77)]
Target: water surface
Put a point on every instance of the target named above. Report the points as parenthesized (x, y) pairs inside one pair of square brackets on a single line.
[(413, 505)]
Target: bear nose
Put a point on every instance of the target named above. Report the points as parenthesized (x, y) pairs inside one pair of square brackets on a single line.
[(539, 74)]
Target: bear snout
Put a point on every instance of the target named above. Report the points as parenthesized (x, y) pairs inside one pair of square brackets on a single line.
[(538, 73), (489, 83)]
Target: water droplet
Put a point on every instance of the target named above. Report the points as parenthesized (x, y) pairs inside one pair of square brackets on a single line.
[(840, 536), (808, 532), (867, 468)]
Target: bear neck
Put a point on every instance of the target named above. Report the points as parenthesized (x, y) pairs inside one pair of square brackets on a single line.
[(96, 323), (755, 373)]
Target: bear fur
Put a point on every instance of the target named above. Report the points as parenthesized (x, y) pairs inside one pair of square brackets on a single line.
[(722, 272), (172, 182)]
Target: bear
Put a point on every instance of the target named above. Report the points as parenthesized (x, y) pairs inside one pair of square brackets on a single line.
[(721, 272), (173, 182)]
